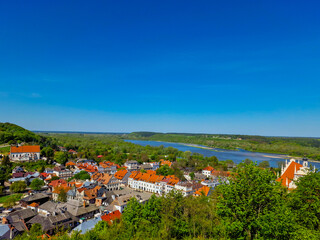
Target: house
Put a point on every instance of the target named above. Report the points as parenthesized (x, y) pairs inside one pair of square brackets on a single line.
[(87, 225), (204, 191), (146, 166), (187, 188), (62, 172), (149, 181), (121, 202), (207, 171), (123, 176), (18, 169), (6, 232), (38, 198), (57, 190), (111, 217), (110, 182), (131, 165), (18, 219), (72, 151), (81, 209), (52, 216), (108, 167), (292, 171), (165, 162), (25, 153), (155, 165)]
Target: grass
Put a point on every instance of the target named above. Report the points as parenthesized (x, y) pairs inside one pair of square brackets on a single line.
[(16, 196)]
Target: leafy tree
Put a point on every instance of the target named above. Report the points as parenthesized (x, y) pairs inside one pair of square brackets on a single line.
[(264, 164), (37, 184), (6, 161), (36, 230), (61, 157), (252, 205), (132, 215), (62, 197), (83, 175), (192, 175), (47, 152), (305, 200), (165, 170), (19, 186)]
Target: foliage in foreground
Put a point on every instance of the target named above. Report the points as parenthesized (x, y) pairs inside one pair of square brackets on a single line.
[(252, 206)]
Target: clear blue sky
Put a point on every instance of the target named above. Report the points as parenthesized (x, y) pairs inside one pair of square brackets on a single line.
[(247, 67)]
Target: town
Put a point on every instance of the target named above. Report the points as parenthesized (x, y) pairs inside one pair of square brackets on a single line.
[(82, 192)]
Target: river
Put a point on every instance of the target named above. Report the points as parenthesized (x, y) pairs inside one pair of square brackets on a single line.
[(222, 154)]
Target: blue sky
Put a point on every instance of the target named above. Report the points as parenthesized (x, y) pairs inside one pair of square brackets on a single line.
[(247, 67)]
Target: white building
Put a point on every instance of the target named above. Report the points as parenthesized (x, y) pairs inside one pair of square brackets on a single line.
[(292, 171), (25, 153)]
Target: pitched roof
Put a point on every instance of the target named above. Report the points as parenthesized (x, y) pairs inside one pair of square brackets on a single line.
[(120, 174), (111, 216), (209, 168), (35, 197), (56, 183), (25, 149), (202, 191), (288, 175)]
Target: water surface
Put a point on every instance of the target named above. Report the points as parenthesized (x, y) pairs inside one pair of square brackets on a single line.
[(222, 154)]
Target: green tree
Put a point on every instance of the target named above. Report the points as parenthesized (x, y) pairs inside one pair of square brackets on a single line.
[(83, 175), (264, 164), (47, 152), (36, 230), (19, 186), (252, 205), (62, 197), (132, 215), (6, 161), (37, 184), (192, 175), (165, 170), (305, 200), (61, 157)]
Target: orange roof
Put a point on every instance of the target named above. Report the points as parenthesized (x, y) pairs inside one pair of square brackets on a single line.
[(288, 175), (58, 182), (209, 168), (70, 164), (165, 162), (120, 174), (202, 191), (59, 188), (111, 216), (25, 149), (34, 204)]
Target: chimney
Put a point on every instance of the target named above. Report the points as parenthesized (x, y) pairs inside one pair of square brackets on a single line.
[(84, 204)]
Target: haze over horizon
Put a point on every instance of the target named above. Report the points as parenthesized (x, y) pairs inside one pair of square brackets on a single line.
[(231, 67)]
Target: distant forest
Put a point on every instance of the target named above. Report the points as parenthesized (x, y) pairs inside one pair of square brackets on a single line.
[(295, 146)]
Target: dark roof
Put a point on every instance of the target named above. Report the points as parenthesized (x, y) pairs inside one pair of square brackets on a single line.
[(21, 214), (35, 197)]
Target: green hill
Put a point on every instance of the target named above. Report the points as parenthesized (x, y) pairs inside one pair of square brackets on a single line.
[(11, 134)]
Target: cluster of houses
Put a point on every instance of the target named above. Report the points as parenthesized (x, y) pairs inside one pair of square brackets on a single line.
[(102, 197)]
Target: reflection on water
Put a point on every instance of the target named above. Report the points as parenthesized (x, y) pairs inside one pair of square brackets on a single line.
[(222, 154)]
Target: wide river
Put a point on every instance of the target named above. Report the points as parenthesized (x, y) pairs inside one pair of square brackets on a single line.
[(222, 154)]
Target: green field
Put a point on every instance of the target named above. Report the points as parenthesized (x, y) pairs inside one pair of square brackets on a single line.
[(16, 196)]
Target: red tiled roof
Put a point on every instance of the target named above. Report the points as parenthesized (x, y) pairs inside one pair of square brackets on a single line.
[(288, 175), (111, 216), (204, 190), (58, 182), (25, 149), (120, 174), (209, 168)]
